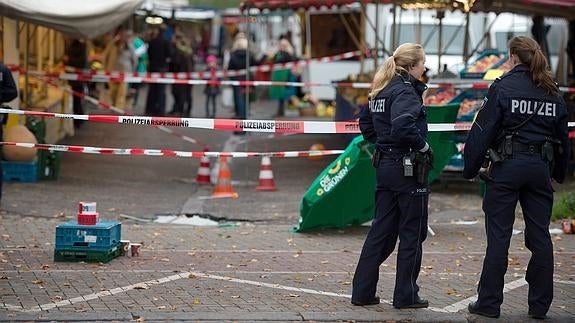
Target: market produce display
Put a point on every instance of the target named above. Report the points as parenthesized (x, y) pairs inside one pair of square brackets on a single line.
[(485, 63), (440, 97)]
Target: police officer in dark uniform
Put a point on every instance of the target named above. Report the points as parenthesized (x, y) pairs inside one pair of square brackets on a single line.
[(522, 127), (395, 121)]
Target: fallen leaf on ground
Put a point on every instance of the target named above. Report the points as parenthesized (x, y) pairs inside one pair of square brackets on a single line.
[(141, 286)]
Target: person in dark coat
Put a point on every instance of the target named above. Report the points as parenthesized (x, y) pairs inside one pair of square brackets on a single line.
[(159, 53), (395, 121), (77, 57), (181, 62), (522, 127), (239, 59)]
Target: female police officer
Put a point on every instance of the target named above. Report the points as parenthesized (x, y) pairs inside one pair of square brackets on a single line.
[(395, 121), (522, 126)]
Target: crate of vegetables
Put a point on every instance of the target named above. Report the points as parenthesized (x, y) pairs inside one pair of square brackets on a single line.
[(469, 103), (487, 60), (439, 96)]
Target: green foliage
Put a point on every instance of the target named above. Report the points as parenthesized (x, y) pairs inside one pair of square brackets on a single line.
[(564, 206)]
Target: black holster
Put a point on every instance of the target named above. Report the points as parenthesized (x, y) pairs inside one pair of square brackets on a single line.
[(423, 164), (548, 153), (376, 157), (492, 157)]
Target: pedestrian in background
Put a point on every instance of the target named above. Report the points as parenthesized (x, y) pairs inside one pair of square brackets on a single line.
[(77, 58), (211, 90), (159, 53), (395, 121), (284, 54), (181, 62), (119, 56), (523, 127), (141, 54), (239, 57)]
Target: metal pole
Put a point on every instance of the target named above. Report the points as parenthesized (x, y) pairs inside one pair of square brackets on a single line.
[(376, 39), (440, 15), (393, 29), (466, 40), (27, 96), (308, 34), (248, 35)]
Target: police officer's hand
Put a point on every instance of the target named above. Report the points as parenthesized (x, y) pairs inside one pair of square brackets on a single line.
[(427, 153)]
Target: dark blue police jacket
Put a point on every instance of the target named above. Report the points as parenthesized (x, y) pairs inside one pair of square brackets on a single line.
[(511, 100), (395, 120)]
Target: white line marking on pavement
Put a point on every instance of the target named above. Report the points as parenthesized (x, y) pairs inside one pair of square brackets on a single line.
[(145, 285), (565, 282), (276, 286), (11, 307), (456, 307), (80, 299)]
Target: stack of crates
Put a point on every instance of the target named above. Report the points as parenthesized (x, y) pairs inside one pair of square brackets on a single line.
[(89, 243), (48, 165)]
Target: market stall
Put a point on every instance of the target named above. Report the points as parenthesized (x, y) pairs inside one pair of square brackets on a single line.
[(33, 39), (321, 206)]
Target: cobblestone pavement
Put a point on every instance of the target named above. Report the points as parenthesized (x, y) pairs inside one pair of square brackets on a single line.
[(249, 268)]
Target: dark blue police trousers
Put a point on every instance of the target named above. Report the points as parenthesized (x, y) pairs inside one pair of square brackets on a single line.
[(524, 178), (401, 210)]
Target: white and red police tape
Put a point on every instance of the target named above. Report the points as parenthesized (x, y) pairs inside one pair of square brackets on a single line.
[(170, 153), (270, 126), (108, 106), (76, 74)]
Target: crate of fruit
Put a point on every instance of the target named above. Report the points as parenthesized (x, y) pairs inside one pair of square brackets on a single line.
[(439, 96), (469, 103), (487, 60), (101, 236)]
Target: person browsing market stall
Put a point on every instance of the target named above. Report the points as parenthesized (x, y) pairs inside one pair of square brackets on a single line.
[(522, 128), (395, 121)]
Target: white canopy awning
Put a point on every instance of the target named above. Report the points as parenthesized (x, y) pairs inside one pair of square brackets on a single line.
[(86, 18)]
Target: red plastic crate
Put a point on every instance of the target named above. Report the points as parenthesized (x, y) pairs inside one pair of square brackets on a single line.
[(87, 218)]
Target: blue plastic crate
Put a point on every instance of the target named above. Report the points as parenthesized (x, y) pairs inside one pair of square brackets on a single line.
[(26, 172), (104, 235)]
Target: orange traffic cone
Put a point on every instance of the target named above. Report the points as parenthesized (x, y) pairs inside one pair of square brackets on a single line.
[(203, 176), (224, 185), (266, 182)]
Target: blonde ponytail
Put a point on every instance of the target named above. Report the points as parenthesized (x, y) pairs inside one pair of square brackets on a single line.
[(384, 74), (405, 55)]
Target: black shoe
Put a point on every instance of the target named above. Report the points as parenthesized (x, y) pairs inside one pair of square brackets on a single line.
[(373, 301), (473, 308), (419, 303), (537, 316)]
